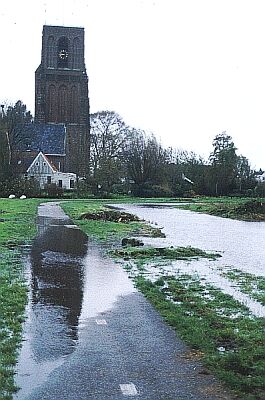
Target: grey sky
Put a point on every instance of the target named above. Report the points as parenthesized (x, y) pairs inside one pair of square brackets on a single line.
[(185, 70)]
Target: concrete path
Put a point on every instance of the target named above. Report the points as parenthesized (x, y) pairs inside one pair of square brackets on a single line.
[(123, 349)]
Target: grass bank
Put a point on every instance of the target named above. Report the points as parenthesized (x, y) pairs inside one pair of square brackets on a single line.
[(104, 229), (17, 228), (222, 332), (227, 207)]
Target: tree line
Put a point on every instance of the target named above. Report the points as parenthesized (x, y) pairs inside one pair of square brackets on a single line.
[(126, 160)]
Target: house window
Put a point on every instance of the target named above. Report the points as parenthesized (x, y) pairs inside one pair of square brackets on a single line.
[(72, 184), (44, 163), (37, 163), (60, 183), (49, 179)]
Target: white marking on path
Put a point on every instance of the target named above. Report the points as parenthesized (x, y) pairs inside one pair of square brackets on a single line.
[(101, 321), (128, 389)]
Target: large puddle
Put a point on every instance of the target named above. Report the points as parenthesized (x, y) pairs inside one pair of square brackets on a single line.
[(241, 244), (70, 281)]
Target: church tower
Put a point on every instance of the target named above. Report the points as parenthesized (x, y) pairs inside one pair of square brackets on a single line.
[(61, 91)]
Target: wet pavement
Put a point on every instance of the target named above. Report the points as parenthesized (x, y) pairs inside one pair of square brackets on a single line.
[(90, 335)]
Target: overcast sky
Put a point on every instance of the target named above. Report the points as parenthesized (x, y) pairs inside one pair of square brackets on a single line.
[(185, 70)]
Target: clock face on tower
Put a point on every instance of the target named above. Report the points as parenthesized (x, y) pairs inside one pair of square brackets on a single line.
[(63, 54)]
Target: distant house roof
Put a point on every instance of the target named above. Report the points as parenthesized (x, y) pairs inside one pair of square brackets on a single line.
[(25, 161), (261, 177), (47, 138), (49, 162)]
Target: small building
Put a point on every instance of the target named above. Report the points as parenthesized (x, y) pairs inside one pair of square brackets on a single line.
[(42, 155), (45, 173), (261, 177)]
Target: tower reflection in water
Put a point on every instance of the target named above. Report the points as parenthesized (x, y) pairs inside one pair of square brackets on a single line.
[(57, 276)]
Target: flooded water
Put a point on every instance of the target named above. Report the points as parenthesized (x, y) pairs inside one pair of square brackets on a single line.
[(67, 277), (241, 244)]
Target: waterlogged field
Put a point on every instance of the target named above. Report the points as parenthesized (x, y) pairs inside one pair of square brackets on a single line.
[(222, 331), (17, 227)]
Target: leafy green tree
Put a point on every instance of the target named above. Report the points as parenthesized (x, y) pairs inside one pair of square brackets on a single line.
[(223, 161), (245, 175)]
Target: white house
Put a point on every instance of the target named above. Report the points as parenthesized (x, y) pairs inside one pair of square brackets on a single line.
[(45, 172), (261, 177)]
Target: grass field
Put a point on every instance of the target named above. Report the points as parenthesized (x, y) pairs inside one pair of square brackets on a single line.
[(17, 228), (223, 333)]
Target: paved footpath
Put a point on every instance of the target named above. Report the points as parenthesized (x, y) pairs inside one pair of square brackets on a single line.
[(128, 352)]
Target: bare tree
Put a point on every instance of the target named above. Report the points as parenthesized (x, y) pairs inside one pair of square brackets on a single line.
[(109, 134), (145, 159), (4, 149), (13, 121)]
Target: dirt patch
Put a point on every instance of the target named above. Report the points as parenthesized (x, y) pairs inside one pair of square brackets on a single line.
[(174, 253), (132, 242), (113, 216), (218, 391)]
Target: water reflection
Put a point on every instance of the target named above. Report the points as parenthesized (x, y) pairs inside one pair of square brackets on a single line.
[(57, 286), (55, 271), (70, 283)]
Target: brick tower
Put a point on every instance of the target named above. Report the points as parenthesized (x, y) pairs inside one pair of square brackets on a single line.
[(61, 91)]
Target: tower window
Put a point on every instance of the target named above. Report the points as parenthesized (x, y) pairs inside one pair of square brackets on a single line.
[(77, 53), (62, 104), (52, 103), (50, 52), (62, 53)]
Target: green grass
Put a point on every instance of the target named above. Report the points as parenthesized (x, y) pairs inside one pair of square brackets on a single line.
[(17, 227), (107, 231), (235, 208), (229, 340), (250, 284), (178, 253)]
